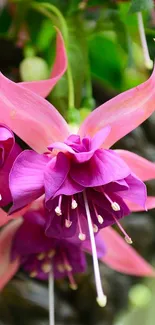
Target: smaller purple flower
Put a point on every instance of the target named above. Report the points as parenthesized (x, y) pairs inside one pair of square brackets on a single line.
[(9, 150), (40, 255)]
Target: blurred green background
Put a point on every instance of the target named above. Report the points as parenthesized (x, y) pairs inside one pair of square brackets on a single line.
[(106, 58)]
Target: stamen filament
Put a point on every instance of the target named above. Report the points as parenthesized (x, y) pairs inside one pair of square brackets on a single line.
[(82, 236), (148, 61), (126, 237), (101, 298), (51, 299)]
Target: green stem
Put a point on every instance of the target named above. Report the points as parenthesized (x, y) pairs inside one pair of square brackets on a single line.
[(44, 8)]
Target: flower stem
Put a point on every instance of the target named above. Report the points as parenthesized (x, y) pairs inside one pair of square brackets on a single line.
[(46, 9), (51, 299), (148, 61)]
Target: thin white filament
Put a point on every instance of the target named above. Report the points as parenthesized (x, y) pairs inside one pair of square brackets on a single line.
[(51, 298), (148, 61), (101, 298)]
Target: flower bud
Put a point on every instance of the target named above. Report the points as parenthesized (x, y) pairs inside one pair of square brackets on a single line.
[(33, 68)]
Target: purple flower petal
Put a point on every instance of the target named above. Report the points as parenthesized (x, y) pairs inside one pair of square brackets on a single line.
[(137, 191), (104, 167), (55, 174), (27, 178)]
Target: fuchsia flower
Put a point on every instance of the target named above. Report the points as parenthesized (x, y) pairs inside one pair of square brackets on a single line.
[(87, 186)]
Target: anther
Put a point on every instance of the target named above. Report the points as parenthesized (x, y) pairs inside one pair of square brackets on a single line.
[(95, 228), (74, 204), (73, 286), (68, 223), (41, 256), (58, 211), (0, 197), (82, 236), (100, 219), (68, 267), (51, 253), (33, 274), (60, 268), (46, 267), (115, 206), (128, 240), (102, 300)]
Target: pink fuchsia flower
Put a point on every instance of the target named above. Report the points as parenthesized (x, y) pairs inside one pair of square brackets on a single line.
[(9, 150)]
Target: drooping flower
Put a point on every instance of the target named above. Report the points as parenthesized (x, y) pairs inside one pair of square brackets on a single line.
[(9, 150)]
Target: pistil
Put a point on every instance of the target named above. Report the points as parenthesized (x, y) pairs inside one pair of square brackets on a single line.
[(101, 298)]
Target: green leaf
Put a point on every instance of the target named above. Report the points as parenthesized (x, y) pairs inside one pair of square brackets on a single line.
[(140, 5), (105, 60)]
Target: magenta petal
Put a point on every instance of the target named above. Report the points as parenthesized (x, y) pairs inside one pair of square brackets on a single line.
[(137, 191), (44, 87), (123, 113), (30, 116), (122, 257), (104, 167), (69, 187), (55, 174), (27, 178), (98, 139)]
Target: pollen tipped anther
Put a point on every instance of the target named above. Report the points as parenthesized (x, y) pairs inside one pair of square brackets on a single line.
[(102, 300), (68, 267), (100, 219), (0, 197), (60, 268), (73, 286), (46, 267), (82, 236), (41, 256), (33, 274), (95, 228), (115, 206), (68, 223), (51, 253), (58, 211), (74, 204), (128, 240)]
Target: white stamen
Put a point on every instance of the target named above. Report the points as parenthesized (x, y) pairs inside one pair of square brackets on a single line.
[(58, 211), (68, 223), (148, 61), (95, 228), (74, 204), (51, 299), (82, 236), (101, 298), (115, 206), (126, 237), (41, 256), (100, 219), (0, 197), (51, 253), (68, 267), (46, 267), (128, 240), (33, 274)]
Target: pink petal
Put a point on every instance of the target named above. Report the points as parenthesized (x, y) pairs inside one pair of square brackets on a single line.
[(142, 167), (150, 204), (123, 113), (7, 268), (44, 87), (31, 117), (122, 257)]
